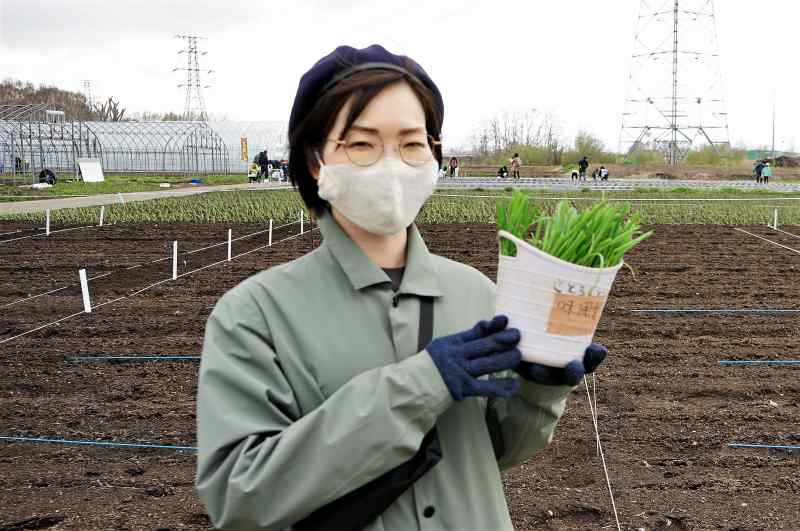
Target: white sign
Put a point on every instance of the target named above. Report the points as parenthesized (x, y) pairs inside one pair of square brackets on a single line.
[(91, 170)]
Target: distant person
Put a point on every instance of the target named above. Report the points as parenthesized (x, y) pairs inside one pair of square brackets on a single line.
[(766, 173), (252, 172), (595, 174), (502, 173), (262, 159), (758, 169), (516, 163), (453, 167), (443, 172), (575, 175), (284, 165), (603, 173), (583, 165), (47, 176)]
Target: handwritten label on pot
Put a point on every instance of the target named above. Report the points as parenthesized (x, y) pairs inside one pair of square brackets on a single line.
[(574, 315)]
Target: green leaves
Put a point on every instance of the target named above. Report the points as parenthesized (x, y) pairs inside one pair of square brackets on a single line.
[(515, 216), (598, 236)]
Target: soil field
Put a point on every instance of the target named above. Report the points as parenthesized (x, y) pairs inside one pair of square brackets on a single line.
[(666, 408)]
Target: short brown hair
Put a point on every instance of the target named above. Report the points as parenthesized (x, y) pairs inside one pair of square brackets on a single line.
[(310, 134)]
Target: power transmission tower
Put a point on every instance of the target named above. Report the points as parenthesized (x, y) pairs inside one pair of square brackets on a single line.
[(675, 94), (88, 93), (194, 107)]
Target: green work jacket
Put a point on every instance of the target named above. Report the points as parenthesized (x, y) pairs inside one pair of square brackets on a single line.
[(311, 386)]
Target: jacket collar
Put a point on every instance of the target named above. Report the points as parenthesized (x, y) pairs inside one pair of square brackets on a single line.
[(420, 276)]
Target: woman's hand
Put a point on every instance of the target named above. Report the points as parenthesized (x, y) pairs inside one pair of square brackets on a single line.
[(486, 348), (571, 374)]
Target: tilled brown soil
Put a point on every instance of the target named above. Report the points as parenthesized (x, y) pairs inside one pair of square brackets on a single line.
[(666, 408)]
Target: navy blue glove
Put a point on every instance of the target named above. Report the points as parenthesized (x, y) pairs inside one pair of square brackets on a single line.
[(570, 375), (487, 348)]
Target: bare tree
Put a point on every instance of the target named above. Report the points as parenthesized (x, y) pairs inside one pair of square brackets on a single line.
[(147, 116), (510, 128), (74, 104), (109, 111)]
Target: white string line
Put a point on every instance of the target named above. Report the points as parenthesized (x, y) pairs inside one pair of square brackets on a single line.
[(21, 230), (142, 264), (602, 456), (783, 231), (40, 327), (45, 234), (666, 199), (152, 286), (53, 291), (766, 240), (56, 322), (241, 237)]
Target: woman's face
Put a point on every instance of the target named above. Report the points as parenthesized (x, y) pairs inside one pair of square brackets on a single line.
[(395, 115)]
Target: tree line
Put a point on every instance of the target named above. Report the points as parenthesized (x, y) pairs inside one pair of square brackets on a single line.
[(75, 105), (536, 136)]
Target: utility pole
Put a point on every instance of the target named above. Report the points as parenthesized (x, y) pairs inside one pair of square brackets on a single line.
[(773, 128), (194, 106)]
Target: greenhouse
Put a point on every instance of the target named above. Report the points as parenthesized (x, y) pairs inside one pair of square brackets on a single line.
[(34, 137)]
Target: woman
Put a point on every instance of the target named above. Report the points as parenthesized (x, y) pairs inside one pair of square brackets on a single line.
[(766, 173), (516, 163), (323, 401)]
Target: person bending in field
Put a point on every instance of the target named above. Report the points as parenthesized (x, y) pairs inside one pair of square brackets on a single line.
[(453, 168)]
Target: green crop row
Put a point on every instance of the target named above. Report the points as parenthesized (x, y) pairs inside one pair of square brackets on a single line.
[(234, 207), (483, 210), (285, 205)]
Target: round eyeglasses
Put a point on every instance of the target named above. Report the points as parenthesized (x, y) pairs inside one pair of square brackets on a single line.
[(365, 149)]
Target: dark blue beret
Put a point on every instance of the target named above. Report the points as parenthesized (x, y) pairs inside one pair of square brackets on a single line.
[(345, 61)]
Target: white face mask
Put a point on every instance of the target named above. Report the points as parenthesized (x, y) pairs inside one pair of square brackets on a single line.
[(383, 198)]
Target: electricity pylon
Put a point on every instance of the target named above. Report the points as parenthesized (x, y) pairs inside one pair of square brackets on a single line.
[(194, 107), (675, 94)]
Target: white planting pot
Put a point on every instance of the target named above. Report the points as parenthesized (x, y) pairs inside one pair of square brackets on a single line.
[(556, 305)]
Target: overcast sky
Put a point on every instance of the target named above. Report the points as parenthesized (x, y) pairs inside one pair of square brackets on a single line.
[(569, 57)]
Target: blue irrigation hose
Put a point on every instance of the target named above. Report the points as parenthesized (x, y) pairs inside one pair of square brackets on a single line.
[(722, 311), (99, 443), (770, 446), (760, 362), (133, 358)]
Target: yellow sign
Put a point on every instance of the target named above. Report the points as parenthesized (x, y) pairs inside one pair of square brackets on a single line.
[(245, 156)]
